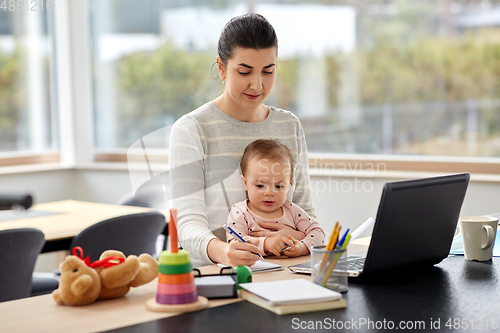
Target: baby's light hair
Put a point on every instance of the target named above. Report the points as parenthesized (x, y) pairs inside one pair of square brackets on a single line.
[(270, 149)]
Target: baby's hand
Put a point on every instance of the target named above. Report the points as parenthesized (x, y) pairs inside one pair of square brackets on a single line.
[(276, 244), (251, 240), (297, 250)]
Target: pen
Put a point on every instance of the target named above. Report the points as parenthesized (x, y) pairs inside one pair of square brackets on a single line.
[(288, 247), (238, 237), (330, 246), (341, 242)]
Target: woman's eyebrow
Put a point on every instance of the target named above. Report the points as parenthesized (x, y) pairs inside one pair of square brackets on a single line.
[(248, 66)]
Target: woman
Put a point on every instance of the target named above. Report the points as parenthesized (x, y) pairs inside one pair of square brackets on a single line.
[(206, 146)]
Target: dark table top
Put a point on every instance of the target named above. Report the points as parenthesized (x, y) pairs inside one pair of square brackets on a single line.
[(453, 296)]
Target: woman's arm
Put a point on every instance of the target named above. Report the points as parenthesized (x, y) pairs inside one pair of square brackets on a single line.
[(302, 194), (186, 159)]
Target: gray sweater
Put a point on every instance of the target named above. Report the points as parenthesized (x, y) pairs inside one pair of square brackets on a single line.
[(205, 151)]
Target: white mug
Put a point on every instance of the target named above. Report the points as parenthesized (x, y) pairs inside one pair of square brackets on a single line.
[(478, 233)]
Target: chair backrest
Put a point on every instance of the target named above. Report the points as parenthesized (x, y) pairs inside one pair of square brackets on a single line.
[(130, 200), (130, 234), (19, 249)]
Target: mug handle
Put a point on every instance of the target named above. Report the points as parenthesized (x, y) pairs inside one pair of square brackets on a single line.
[(491, 236)]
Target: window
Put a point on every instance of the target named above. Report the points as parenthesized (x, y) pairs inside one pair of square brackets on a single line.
[(388, 77), (28, 117)]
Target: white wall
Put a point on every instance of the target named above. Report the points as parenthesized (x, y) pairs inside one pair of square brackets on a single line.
[(352, 208), (44, 186)]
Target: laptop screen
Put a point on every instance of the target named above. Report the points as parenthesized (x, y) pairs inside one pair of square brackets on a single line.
[(416, 222)]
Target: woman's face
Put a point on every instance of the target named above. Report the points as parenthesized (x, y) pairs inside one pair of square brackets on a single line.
[(249, 78)]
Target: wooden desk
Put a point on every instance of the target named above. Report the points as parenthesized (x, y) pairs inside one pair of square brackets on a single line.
[(42, 314), (453, 291), (69, 218), (453, 296)]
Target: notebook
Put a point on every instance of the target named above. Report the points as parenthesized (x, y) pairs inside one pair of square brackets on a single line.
[(292, 296), (415, 225), (262, 266)]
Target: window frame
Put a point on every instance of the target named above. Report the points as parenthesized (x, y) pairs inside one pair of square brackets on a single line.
[(76, 120)]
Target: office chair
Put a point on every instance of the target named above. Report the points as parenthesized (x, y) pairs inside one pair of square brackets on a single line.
[(19, 249), (130, 234), (41, 283), (150, 201), (129, 199)]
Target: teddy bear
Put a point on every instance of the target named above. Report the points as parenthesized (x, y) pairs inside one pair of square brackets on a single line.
[(79, 284), (111, 276), (132, 272)]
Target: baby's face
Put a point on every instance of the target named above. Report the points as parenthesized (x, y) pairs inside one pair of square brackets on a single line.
[(267, 183)]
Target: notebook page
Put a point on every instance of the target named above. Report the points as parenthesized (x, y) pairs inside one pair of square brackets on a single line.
[(262, 266), (296, 291)]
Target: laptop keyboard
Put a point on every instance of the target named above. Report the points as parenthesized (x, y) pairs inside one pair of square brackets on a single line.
[(356, 264)]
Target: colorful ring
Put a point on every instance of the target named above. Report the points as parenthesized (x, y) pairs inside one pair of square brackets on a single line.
[(176, 289), (176, 278), (169, 258), (175, 269), (177, 299)]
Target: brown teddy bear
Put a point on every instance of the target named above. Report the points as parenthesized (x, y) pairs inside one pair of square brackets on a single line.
[(132, 272), (79, 283), (110, 277)]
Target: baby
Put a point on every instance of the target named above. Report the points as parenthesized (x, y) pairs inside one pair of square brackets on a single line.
[(267, 172)]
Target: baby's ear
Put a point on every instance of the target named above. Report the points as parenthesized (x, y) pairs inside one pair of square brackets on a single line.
[(291, 181), (244, 181)]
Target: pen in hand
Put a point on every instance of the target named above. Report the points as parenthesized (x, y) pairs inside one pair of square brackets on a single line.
[(238, 237), (288, 247)]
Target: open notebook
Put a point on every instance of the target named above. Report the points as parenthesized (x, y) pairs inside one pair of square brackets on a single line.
[(262, 266), (291, 296)]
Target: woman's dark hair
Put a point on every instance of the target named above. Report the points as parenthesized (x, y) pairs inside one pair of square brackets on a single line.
[(251, 31)]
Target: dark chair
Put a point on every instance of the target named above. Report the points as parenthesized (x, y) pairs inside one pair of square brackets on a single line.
[(130, 234), (130, 200), (19, 249), (150, 201)]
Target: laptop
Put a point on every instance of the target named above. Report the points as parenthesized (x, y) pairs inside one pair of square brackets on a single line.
[(415, 225)]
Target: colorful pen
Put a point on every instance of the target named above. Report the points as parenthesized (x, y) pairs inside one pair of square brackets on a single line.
[(329, 247), (341, 242), (288, 247), (238, 237)]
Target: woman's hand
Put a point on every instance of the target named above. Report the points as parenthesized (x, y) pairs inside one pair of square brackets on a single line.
[(232, 254), (277, 229), (276, 244), (298, 249)]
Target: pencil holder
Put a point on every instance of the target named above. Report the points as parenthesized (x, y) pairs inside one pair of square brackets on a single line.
[(329, 268)]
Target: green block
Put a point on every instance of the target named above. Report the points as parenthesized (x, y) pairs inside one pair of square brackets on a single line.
[(244, 274), (169, 258), (175, 269)]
